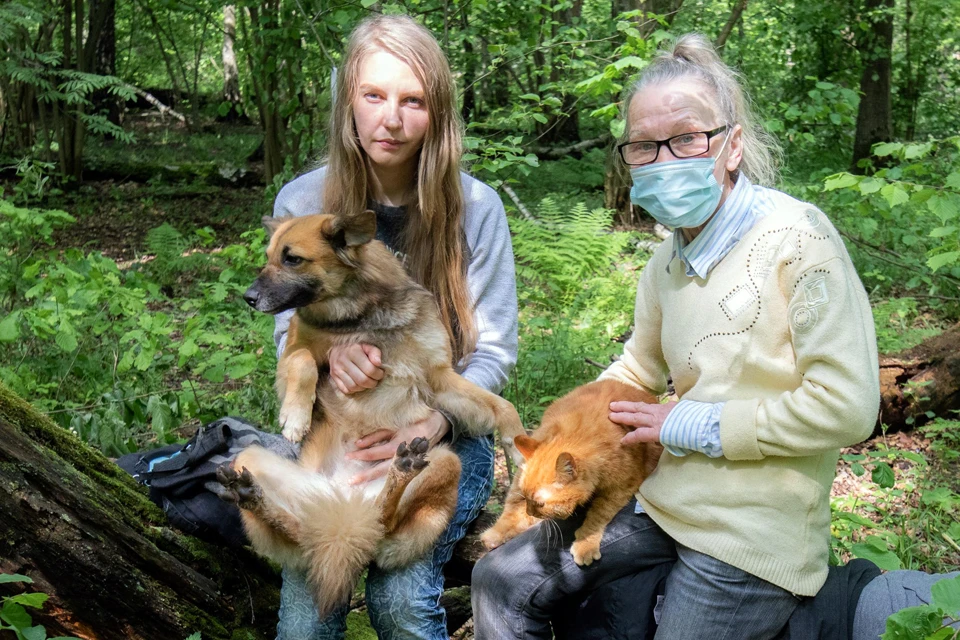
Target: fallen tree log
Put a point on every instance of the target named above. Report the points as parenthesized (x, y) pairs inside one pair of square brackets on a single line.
[(87, 535), (921, 382)]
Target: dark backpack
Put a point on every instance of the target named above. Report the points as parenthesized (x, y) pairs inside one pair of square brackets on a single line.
[(182, 477)]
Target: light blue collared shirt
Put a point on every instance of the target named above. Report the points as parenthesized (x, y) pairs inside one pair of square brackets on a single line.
[(692, 426)]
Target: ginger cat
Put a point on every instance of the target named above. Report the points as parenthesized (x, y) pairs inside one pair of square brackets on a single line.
[(575, 457)]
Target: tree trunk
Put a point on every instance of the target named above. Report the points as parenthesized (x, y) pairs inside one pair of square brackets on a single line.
[(874, 119), (103, 54), (89, 537), (735, 14), (923, 379), (231, 74)]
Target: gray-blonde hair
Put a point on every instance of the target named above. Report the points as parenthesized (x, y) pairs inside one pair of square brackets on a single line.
[(692, 56)]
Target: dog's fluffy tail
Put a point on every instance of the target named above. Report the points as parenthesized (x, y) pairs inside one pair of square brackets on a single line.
[(339, 538)]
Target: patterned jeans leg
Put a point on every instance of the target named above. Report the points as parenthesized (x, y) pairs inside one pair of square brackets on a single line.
[(405, 604), (298, 615)]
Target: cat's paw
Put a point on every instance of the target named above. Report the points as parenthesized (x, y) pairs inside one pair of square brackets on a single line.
[(585, 551), (295, 422), (491, 539)]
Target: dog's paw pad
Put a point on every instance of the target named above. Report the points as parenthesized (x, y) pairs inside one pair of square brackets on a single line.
[(240, 488), (412, 458)]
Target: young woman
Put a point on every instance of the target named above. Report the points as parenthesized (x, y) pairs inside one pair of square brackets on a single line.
[(395, 145), (756, 312)]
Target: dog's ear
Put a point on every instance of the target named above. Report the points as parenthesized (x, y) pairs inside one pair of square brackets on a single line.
[(271, 224), (349, 231)]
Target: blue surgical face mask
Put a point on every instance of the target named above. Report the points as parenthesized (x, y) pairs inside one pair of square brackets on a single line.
[(679, 193)]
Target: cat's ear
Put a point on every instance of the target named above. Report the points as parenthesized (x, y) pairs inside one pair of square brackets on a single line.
[(526, 445), (566, 468)]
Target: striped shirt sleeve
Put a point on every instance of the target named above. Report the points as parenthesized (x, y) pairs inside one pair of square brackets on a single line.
[(693, 427)]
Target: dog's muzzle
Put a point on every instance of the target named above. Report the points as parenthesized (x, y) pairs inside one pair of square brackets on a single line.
[(251, 295)]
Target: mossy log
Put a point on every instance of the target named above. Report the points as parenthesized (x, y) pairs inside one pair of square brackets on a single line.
[(87, 535), (921, 380)]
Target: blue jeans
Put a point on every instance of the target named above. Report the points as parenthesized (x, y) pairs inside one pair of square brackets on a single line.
[(403, 604), (517, 587)]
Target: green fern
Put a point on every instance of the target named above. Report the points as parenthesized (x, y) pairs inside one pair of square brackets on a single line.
[(168, 247), (560, 249)]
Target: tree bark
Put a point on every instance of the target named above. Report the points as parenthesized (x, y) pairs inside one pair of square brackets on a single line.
[(735, 15), (923, 379), (231, 73), (89, 537), (874, 117)]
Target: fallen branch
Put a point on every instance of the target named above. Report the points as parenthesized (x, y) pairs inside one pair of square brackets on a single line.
[(560, 152), (507, 189), (164, 109)]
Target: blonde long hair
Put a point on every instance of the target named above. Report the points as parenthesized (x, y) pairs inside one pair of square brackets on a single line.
[(693, 56), (433, 236)]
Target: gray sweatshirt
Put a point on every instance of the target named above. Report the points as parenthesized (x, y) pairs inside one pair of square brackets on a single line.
[(490, 273)]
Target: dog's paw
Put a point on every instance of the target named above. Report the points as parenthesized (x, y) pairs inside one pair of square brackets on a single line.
[(295, 422), (491, 539), (239, 488), (585, 551), (412, 459)]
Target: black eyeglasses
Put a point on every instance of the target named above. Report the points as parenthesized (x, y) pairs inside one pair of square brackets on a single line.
[(685, 145)]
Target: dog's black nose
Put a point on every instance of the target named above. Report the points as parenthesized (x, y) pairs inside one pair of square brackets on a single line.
[(251, 295)]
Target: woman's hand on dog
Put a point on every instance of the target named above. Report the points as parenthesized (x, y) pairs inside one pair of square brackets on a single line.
[(645, 419), (355, 367), (381, 446)]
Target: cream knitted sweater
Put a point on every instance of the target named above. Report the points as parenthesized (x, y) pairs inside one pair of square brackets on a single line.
[(781, 331)]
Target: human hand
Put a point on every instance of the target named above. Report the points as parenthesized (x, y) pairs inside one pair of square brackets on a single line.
[(381, 446), (355, 367), (645, 419)]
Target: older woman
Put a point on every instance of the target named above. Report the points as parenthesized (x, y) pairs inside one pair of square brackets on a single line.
[(756, 312)]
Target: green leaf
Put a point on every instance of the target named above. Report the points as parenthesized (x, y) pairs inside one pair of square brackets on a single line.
[(857, 469), (530, 96), (10, 327), (942, 259), (953, 180), (870, 185), (13, 614), (915, 457), (840, 181), (875, 551), (946, 595), (368, 3), (940, 497), (539, 117), (14, 577), (913, 623), (894, 195), (883, 475), (34, 633), (887, 148), (195, 636), (242, 365), (66, 340), (34, 600)]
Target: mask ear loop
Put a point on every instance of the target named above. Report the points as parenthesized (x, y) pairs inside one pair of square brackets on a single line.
[(726, 136)]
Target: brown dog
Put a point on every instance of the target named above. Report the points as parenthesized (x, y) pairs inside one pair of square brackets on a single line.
[(348, 288)]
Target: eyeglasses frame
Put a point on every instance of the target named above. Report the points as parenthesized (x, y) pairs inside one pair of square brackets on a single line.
[(666, 143)]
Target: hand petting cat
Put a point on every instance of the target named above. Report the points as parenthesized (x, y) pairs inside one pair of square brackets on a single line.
[(645, 419)]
